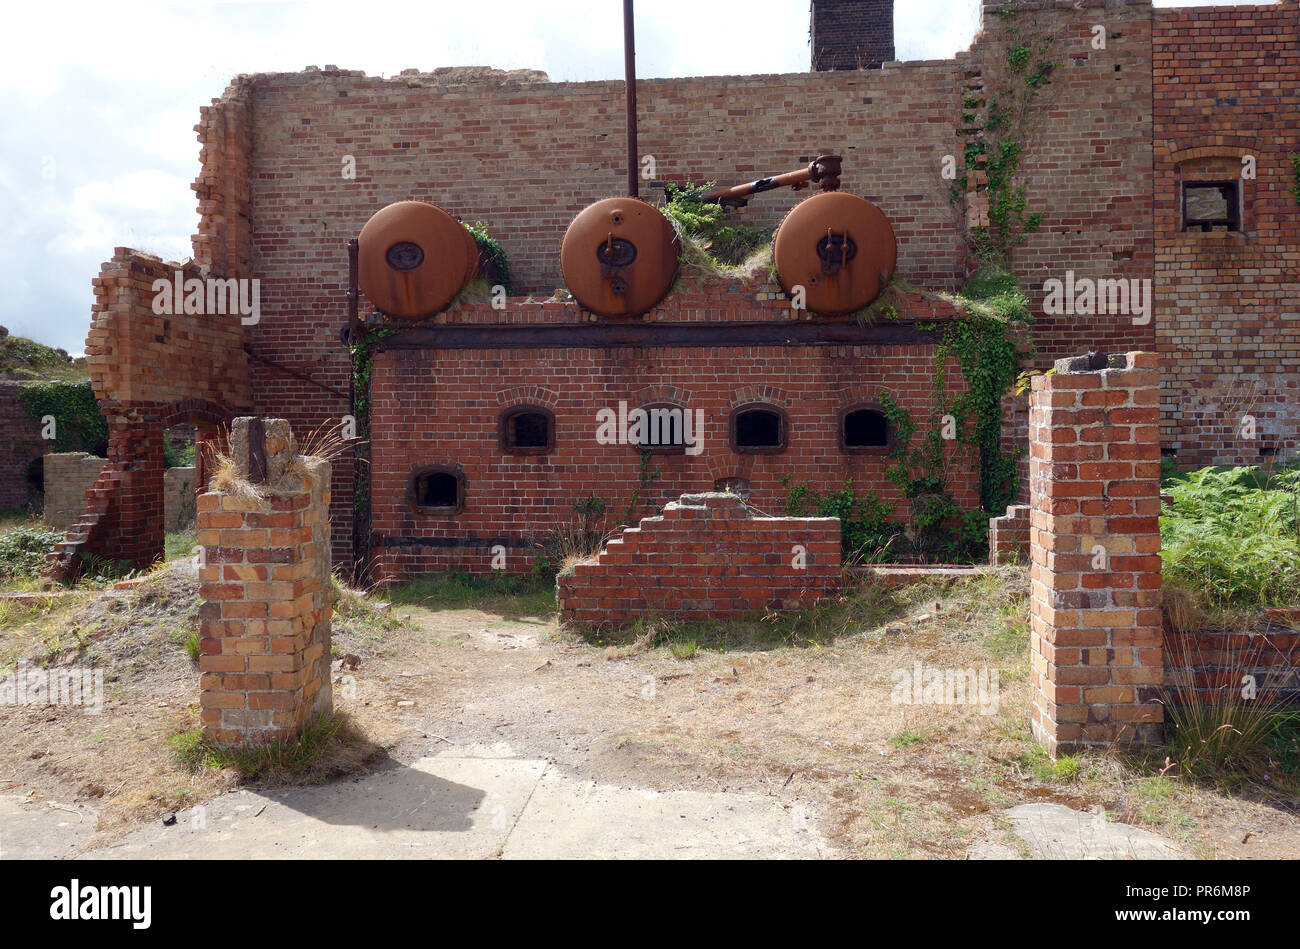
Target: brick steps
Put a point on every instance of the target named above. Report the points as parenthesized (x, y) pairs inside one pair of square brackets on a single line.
[(705, 556)]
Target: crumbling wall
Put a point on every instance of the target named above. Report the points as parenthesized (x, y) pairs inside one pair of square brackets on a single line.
[(706, 556), (150, 371)]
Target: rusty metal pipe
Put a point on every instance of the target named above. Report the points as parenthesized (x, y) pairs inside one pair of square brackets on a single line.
[(354, 319), (629, 63), (824, 171)]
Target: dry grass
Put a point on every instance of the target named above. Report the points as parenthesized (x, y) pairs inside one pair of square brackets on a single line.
[(327, 441), (121, 764)]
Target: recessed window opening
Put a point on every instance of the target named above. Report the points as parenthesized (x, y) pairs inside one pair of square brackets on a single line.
[(437, 489), (1212, 206), (659, 428), (527, 430), (865, 428), (758, 429)]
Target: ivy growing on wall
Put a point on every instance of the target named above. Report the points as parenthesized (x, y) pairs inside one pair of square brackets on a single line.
[(363, 360), (78, 423), (1000, 144), (1295, 163)]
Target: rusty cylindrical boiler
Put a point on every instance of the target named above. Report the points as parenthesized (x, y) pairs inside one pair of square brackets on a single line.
[(619, 257), (839, 248), (413, 258)]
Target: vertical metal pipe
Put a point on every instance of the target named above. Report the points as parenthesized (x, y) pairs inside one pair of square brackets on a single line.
[(629, 60)]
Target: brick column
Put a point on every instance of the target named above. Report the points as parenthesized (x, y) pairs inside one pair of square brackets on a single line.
[(265, 584), (1095, 553)]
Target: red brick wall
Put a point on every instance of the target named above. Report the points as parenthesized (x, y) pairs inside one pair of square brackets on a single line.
[(1009, 536), (1213, 664), (1227, 84), (265, 647), (20, 445), (706, 556), (526, 155), (138, 358), (441, 407)]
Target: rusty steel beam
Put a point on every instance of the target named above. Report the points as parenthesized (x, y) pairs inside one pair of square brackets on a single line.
[(656, 335)]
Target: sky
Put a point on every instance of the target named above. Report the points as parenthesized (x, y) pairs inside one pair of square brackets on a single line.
[(98, 100)]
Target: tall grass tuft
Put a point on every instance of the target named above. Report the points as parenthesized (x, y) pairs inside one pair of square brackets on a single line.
[(1220, 717)]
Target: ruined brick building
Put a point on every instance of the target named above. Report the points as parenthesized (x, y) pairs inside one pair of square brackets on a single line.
[(1134, 166)]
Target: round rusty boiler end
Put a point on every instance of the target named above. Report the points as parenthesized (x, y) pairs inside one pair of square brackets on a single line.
[(839, 248), (413, 258), (619, 257)]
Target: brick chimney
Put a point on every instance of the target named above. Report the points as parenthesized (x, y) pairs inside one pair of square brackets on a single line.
[(852, 34)]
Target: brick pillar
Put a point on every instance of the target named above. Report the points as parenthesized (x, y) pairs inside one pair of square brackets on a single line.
[(265, 584), (1095, 553), (135, 450)]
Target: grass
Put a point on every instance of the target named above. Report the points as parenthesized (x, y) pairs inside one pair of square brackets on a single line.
[(684, 649), (907, 739), (328, 746), (988, 606), (182, 544), (507, 594), (22, 358), (1064, 770)]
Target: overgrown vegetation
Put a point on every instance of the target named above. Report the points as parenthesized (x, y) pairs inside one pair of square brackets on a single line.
[(363, 360), (1295, 164), (178, 457), (77, 421), (1231, 537), (492, 256), (22, 358), (23, 552), (710, 240)]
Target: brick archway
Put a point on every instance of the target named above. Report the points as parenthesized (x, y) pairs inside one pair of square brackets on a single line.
[(124, 515)]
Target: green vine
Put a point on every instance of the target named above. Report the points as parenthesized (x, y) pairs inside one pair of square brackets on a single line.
[(999, 147), (1295, 163), (646, 478), (78, 423)]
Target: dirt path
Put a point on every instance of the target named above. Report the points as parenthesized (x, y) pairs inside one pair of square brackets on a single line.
[(790, 750)]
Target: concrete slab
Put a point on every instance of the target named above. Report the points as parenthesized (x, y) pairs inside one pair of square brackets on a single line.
[(32, 830), (1057, 832), (475, 803), (568, 819), (459, 808)]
